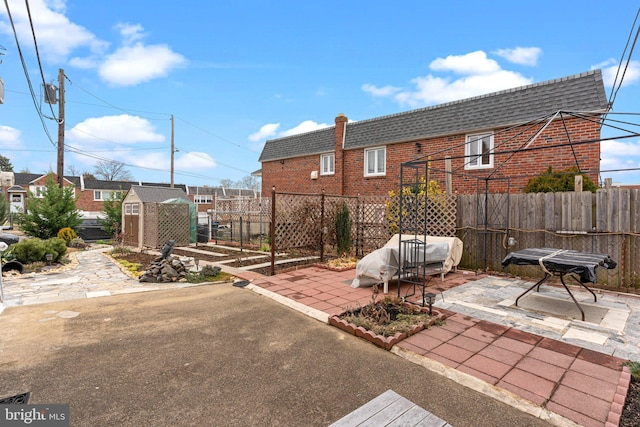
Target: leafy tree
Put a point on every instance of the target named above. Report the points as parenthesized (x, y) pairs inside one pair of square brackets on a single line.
[(112, 170), (558, 181), (56, 209), (343, 230), (417, 198), (5, 164), (4, 209), (112, 221)]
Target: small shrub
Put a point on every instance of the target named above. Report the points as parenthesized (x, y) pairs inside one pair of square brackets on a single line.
[(119, 250), (29, 250), (206, 274), (55, 246), (67, 234), (77, 243), (343, 230)]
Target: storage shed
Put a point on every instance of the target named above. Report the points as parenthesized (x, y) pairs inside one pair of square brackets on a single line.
[(153, 215)]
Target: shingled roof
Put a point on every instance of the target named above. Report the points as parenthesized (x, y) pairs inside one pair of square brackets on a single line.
[(581, 92), (148, 194)]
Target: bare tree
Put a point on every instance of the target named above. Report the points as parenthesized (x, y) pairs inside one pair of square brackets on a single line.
[(226, 183), (112, 170), (251, 182)]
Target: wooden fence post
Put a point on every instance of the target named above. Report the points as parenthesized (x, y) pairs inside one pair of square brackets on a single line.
[(272, 234)]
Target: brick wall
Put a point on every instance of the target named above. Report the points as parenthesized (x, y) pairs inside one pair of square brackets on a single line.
[(549, 149)]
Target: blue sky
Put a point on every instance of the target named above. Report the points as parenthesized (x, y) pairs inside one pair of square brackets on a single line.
[(234, 74)]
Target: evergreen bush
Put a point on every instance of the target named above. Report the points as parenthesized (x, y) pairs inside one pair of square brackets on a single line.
[(343, 230)]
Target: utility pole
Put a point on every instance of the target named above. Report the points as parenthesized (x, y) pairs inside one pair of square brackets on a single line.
[(60, 170), (172, 149)]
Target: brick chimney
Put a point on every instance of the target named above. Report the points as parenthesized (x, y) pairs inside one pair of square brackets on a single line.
[(341, 128)]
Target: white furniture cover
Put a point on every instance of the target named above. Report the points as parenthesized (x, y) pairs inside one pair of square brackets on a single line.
[(382, 264)]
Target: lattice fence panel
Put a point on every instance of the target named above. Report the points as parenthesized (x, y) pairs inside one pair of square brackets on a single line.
[(372, 227), (441, 213), (298, 221), (173, 223), (150, 222)]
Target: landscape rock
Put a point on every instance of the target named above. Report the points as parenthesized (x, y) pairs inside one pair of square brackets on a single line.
[(165, 270)]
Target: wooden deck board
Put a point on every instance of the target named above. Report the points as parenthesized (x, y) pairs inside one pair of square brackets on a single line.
[(390, 409)]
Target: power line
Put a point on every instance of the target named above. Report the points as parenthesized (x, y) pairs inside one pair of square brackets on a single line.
[(26, 74)]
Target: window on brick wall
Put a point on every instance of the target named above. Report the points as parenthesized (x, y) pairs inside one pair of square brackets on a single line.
[(102, 195), (375, 163), (478, 151), (203, 199), (38, 190), (327, 162)]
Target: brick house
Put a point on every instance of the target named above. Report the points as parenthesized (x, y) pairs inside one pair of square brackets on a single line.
[(516, 133)]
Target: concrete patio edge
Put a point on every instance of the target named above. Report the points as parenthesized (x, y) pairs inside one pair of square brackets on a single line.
[(309, 311)]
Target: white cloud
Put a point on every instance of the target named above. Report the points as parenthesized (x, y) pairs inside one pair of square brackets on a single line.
[(471, 63), (9, 137), (122, 129), (380, 91), (195, 160), (306, 126), (610, 70), (480, 75), (130, 33), (271, 131), (521, 55), (131, 65), (435, 90), (619, 155), (265, 132), (59, 39), (57, 36)]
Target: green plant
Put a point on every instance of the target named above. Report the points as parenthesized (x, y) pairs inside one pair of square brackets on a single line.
[(67, 234), (55, 246), (386, 317), (634, 367), (206, 274), (4, 209), (112, 208), (558, 181), (53, 210), (77, 242), (343, 230), (120, 250), (35, 250), (416, 199)]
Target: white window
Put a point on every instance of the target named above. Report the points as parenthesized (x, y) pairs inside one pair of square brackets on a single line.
[(38, 190), (375, 161), (326, 164), (203, 199), (131, 209), (102, 195), (478, 151)]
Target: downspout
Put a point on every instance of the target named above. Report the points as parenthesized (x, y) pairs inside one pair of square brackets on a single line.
[(344, 136)]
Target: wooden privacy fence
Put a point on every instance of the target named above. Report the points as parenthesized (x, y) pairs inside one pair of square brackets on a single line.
[(605, 222)]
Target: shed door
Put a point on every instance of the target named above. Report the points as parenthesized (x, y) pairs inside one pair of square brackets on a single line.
[(130, 227)]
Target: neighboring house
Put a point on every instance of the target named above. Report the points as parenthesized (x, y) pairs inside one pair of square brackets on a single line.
[(207, 197), (146, 223), (472, 138), (90, 193)]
